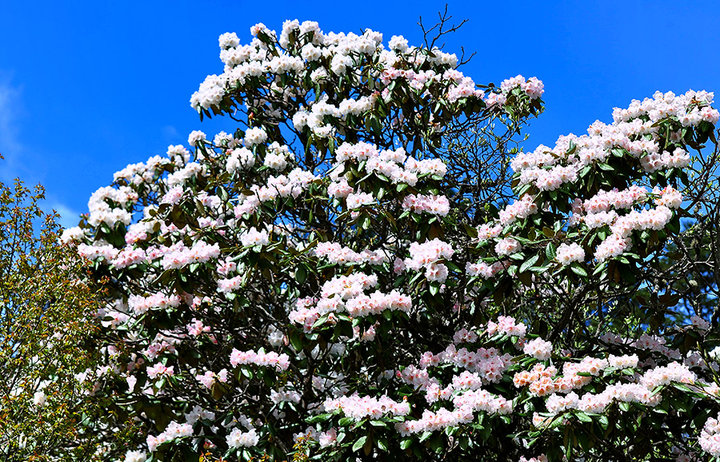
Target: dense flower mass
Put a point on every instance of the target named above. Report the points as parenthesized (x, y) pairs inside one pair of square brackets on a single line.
[(323, 283), (710, 437)]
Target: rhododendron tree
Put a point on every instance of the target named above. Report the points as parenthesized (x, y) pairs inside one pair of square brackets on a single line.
[(367, 267)]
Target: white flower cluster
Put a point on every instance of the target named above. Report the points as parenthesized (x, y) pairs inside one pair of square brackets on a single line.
[(641, 391), (238, 159), (173, 431), (428, 255), (465, 405), (110, 206), (237, 438), (432, 204), (345, 294), (396, 165), (568, 253), (538, 348), (253, 237), (710, 437), (358, 407), (317, 56), (337, 254), (135, 456), (635, 134)]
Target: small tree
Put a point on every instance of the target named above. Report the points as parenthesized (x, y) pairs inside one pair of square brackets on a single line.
[(367, 266), (45, 323)]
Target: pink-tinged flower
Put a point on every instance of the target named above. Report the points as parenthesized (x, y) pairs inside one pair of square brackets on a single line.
[(327, 438), (700, 324), (422, 255), (507, 246), (196, 137), (568, 253), (196, 328), (518, 210), (540, 458), (253, 237), (209, 378), (434, 205), (160, 369), (506, 325), (340, 189), (238, 438), (358, 407), (710, 436), (669, 197), (280, 361), (173, 431), (357, 200), (538, 348)]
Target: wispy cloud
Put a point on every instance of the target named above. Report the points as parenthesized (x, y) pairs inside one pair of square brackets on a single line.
[(9, 104), (14, 151), (68, 216), (170, 132), (11, 110)]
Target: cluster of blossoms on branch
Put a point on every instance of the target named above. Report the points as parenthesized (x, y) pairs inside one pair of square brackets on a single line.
[(281, 289)]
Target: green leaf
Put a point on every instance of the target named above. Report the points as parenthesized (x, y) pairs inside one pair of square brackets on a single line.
[(382, 444), (682, 387), (359, 443), (358, 424), (320, 321), (406, 443), (550, 251), (296, 339), (318, 418), (453, 267), (583, 417), (571, 148), (436, 443), (345, 421), (578, 269), (464, 443), (600, 268), (528, 263), (301, 274), (603, 420)]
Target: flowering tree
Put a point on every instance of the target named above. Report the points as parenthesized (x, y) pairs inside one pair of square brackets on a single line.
[(368, 266), (44, 330)]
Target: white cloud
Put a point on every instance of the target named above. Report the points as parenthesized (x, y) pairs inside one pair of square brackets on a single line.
[(170, 132), (9, 108), (11, 147), (68, 216), (13, 150)]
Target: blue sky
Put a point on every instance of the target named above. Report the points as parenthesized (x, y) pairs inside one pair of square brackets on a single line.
[(87, 87)]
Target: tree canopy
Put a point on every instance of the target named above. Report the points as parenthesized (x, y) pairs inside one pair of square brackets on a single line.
[(368, 266), (47, 360)]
